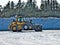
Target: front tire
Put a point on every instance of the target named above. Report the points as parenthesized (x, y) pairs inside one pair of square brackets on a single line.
[(26, 27)]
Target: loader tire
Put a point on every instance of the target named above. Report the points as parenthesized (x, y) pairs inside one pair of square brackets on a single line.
[(26, 27), (14, 29)]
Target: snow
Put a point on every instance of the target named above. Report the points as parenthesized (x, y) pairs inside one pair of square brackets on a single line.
[(47, 37)]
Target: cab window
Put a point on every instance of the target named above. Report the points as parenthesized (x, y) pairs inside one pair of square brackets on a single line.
[(20, 19)]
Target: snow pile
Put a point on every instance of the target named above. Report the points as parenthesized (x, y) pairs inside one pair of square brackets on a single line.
[(30, 38)]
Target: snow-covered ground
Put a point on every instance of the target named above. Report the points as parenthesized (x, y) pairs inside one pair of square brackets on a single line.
[(30, 38)]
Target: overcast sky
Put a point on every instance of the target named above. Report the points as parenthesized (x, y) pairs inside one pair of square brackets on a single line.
[(4, 2)]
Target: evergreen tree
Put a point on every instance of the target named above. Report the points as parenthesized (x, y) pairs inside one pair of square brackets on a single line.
[(34, 3), (19, 3), (8, 5), (12, 5)]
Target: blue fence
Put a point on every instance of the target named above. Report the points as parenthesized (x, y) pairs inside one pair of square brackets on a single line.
[(4, 23), (47, 23)]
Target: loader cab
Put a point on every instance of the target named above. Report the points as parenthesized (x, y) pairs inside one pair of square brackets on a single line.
[(19, 19)]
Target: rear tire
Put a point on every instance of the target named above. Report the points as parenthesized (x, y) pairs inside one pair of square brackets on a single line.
[(14, 30)]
